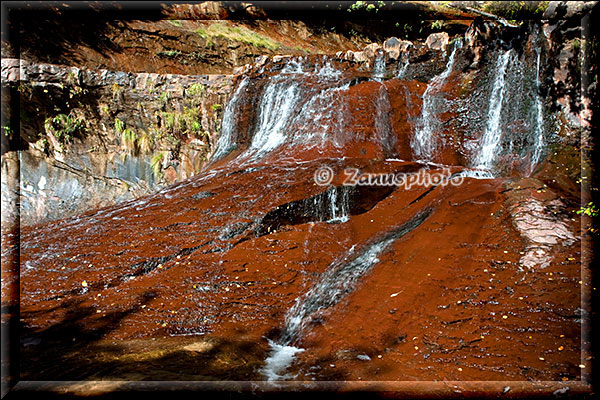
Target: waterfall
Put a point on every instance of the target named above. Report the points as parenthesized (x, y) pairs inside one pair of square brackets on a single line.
[(290, 111), (493, 132), (278, 103), (226, 140), (539, 127), (383, 130), (379, 67), (402, 70), (322, 118), (333, 205), (337, 281), (423, 142), (339, 204)]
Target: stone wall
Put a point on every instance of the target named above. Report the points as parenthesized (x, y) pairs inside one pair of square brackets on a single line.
[(91, 138)]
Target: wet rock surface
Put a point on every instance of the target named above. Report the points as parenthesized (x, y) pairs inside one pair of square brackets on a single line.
[(250, 270)]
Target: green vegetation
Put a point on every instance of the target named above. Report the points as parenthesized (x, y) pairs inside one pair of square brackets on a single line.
[(169, 53), (589, 210), (42, 144), (175, 22), (156, 164), (196, 89), (132, 142), (515, 10), (104, 109), (7, 130), (437, 25), (119, 125), (364, 5), (216, 107), (188, 122), (130, 139), (65, 127), (238, 34), (117, 91)]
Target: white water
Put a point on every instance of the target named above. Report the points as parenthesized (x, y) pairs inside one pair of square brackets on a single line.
[(476, 173), (383, 129), (493, 132), (402, 70), (276, 108), (379, 67), (333, 205), (322, 118), (539, 127), (423, 142), (280, 357), (340, 278), (339, 204), (226, 139)]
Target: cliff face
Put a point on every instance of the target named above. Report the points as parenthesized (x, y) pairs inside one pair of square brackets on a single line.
[(238, 237), (93, 138), (126, 130)]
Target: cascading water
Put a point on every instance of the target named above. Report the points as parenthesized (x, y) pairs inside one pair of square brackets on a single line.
[(424, 141), (292, 111), (383, 129), (322, 118), (493, 132), (337, 281), (379, 67), (401, 72), (278, 104), (226, 140), (339, 204), (539, 127)]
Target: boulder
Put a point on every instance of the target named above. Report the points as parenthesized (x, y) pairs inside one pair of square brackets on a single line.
[(370, 50), (261, 60), (394, 47), (567, 9), (437, 41), (360, 56), (349, 55)]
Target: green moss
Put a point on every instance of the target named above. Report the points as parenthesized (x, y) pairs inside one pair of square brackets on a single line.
[(65, 127), (196, 89), (515, 10), (177, 124), (169, 53), (156, 164), (237, 34)]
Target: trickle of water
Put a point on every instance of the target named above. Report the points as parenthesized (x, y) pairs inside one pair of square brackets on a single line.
[(379, 67), (539, 127), (339, 204), (423, 142), (493, 132), (228, 129), (383, 129), (340, 279), (333, 205), (402, 70)]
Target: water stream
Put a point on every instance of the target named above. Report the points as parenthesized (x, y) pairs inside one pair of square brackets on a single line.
[(539, 127), (424, 139), (340, 279), (490, 141), (226, 140)]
